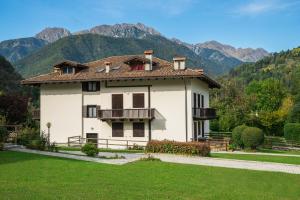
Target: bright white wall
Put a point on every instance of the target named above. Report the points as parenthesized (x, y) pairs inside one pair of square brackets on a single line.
[(61, 105)]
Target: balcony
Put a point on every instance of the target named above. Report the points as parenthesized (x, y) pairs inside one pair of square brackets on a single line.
[(36, 114), (204, 113), (126, 114)]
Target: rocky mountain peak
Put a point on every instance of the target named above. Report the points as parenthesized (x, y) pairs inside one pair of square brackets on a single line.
[(123, 30), (52, 34)]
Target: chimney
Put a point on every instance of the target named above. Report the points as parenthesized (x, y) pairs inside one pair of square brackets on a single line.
[(107, 66), (148, 54), (179, 63)]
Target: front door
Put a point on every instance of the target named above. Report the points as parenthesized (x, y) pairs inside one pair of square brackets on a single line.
[(117, 105)]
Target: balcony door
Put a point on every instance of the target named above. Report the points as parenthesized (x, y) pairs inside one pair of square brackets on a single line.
[(117, 105), (198, 130)]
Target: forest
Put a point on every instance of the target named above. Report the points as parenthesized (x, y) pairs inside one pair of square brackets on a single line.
[(265, 94)]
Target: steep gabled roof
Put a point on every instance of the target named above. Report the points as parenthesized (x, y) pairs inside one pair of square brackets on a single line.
[(121, 71)]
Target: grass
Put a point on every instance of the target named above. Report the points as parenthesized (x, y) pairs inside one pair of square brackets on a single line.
[(265, 158), (102, 150), (279, 151), (31, 176)]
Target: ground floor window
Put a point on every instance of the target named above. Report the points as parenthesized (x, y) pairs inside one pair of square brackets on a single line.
[(138, 129), (198, 130), (92, 138), (117, 129)]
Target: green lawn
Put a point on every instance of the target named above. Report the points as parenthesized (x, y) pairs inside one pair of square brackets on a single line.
[(31, 176), (265, 158), (279, 151)]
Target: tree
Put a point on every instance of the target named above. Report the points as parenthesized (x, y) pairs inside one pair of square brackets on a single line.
[(268, 94), (14, 108)]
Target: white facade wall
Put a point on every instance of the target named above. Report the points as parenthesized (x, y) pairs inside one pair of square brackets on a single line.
[(61, 105)]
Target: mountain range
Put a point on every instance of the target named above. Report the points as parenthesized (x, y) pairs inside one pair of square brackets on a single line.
[(35, 55)]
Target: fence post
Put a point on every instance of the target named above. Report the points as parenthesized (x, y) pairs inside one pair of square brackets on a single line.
[(127, 144), (68, 141), (107, 143)]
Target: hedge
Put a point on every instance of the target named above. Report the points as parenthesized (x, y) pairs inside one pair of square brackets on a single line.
[(252, 137), (292, 131), (187, 148)]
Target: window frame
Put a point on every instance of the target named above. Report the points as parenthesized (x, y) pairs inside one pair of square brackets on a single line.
[(67, 70), (94, 112)]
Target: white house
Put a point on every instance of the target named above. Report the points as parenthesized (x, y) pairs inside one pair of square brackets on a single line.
[(125, 100)]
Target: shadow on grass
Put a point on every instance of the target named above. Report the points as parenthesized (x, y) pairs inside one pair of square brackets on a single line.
[(7, 157)]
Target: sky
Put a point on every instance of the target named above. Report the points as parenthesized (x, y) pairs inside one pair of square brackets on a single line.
[(270, 24)]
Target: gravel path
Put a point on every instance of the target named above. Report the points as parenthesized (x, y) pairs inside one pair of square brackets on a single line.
[(230, 163), (257, 153)]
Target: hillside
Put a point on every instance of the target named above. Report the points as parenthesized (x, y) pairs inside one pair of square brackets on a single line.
[(17, 49), (89, 47), (9, 78), (261, 94)]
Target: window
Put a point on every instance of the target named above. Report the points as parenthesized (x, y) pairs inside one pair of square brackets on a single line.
[(67, 70), (202, 101), (117, 130), (92, 86), (92, 138), (138, 100), (137, 67), (92, 111), (138, 129)]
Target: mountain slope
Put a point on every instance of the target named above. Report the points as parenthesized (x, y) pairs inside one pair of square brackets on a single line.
[(89, 47), (17, 49), (245, 55), (9, 78)]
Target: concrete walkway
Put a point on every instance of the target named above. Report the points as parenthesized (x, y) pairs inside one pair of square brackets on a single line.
[(257, 153), (230, 163), (128, 158)]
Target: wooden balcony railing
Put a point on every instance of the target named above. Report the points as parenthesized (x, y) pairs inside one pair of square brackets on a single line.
[(122, 114), (204, 113), (36, 114)]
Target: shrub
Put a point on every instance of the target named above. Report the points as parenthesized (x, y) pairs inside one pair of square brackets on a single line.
[(136, 147), (38, 144), (237, 135), (27, 134), (3, 134), (292, 131), (188, 148), (90, 149), (1, 146), (252, 137)]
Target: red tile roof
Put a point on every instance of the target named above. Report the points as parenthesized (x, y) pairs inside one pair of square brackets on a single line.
[(121, 71)]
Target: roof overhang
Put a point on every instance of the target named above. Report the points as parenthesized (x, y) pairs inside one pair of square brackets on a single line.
[(211, 83)]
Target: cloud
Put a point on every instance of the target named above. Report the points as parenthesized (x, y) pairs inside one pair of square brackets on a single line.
[(264, 6)]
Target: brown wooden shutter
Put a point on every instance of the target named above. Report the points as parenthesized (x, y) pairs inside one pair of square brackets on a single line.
[(117, 129), (138, 100), (84, 111), (98, 86), (138, 129), (98, 111), (84, 86)]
